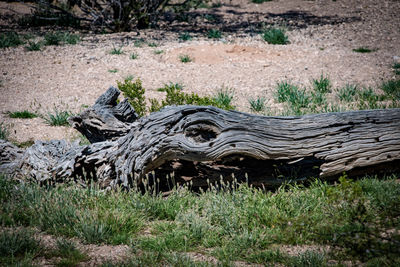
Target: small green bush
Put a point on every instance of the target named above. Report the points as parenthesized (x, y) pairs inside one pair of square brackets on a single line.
[(347, 93), (284, 90), (33, 46), (392, 89), (322, 85), (224, 98), (58, 118), (53, 38), (260, 1), (116, 51), (71, 39), (363, 50), (258, 104), (134, 56), (16, 244), (214, 34), (10, 39), (185, 58), (134, 91), (275, 36), (185, 36), (25, 114)]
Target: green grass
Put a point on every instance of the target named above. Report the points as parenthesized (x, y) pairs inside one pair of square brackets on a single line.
[(275, 36), (322, 85), (185, 58), (158, 52), (185, 36), (113, 70), (25, 114), (347, 93), (10, 39), (4, 132), (392, 89), (231, 223), (134, 56), (57, 118), (152, 44), (260, 1), (68, 253), (58, 38), (138, 43), (214, 34), (18, 246), (224, 97), (33, 46), (257, 104), (363, 50), (116, 51)]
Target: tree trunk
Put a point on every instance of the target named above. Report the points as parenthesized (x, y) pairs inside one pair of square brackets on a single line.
[(201, 144)]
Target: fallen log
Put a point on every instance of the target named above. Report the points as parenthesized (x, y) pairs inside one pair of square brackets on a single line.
[(199, 144)]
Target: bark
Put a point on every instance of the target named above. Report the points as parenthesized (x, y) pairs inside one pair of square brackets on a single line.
[(201, 144)]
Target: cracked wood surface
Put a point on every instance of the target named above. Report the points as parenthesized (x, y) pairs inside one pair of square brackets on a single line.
[(210, 141)]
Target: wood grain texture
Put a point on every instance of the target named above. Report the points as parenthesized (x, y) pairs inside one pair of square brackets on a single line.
[(200, 143)]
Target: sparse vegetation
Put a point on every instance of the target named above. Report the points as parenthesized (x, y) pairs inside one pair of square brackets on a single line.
[(134, 91), (257, 104), (58, 38), (234, 222), (10, 39), (33, 46), (116, 51), (158, 52), (347, 93), (4, 133), (185, 36), (25, 114), (392, 89), (185, 58), (363, 50), (260, 1), (224, 97), (57, 118), (214, 34), (152, 44), (275, 36), (68, 252), (113, 70), (134, 56)]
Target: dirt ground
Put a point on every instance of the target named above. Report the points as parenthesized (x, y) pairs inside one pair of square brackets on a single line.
[(322, 37)]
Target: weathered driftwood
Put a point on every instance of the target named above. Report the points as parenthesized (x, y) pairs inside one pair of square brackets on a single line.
[(199, 143)]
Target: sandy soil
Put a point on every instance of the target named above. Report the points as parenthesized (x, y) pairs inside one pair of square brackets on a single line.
[(322, 37)]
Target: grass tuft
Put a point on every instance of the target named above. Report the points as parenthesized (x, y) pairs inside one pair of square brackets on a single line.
[(58, 118), (134, 56), (214, 34), (25, 114), (185, 36), (257, 105), (10, 39), (347, 93), (275, 36), (392, 89), (185, 58), (363, 50), (33, 46), (116, 51)]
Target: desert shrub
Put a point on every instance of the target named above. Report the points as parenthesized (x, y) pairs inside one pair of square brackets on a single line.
[(134, 91), (33, 46), (185, 58), (275, 36), (257, 104), (10, 39), (214, 33), (58, 117), (347, 93), (392, 89), (185, 36), (25, 114)]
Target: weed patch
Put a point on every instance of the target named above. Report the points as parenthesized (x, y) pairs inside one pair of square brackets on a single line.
[(4, 132), (185, 58), (185, 36), (257, 105), (33, 46), (275, 36), (10, 39), (58, 118), (116, 51), (214, 34), (363, 50), (25, 114)]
